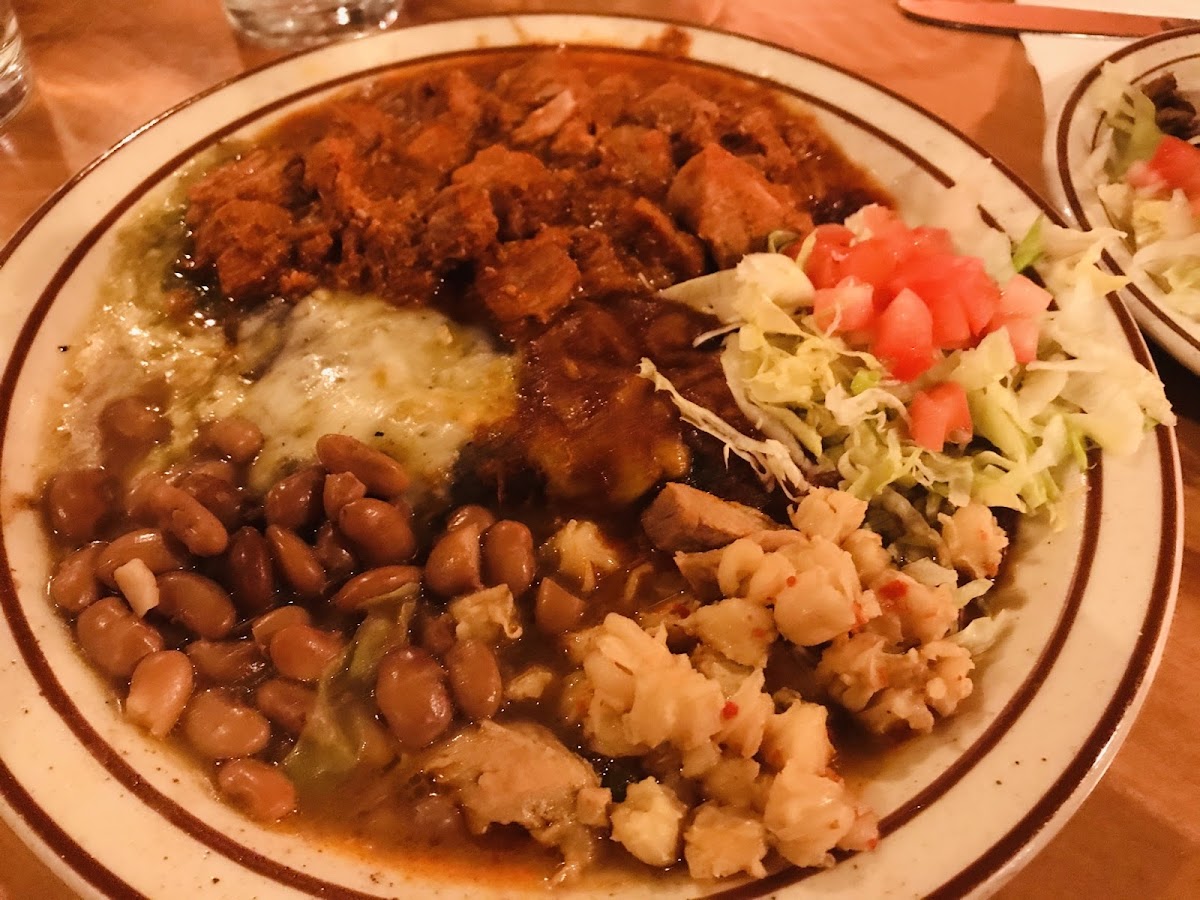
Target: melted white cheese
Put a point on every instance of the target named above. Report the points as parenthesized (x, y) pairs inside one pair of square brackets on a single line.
[(408, 381)]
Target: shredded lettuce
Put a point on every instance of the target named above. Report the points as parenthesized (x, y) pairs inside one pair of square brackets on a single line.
[(1130, 114), (1163, 230), (827, 408), (1029, 249), (769, 459), (981, 634)]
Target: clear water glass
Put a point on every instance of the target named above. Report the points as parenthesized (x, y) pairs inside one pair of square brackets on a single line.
[(303, 23), (14, 81)]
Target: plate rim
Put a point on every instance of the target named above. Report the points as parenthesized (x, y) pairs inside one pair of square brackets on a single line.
[(1091, 760)]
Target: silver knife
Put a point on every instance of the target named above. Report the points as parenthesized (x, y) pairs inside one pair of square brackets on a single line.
[(1008, 18)]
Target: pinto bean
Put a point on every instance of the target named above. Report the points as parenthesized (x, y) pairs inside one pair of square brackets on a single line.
[(334, 553), (285, 703), (508, 556), (221, 469), (138, 501), (437, 633), (226, 662), (341, 488), (479, 516), (265, 626), (257, 788), (410, 689), (221, 727), (556, 609), (294, 502), (150, 545), (383, 476), (381, 533), (304, 653), (197, 603), (134, 423), (159, 690), (249, 571), (77, 503), (233, 436), (114, 638), (74, 585), (297, 562), (475, 678), (454, 564), (181, 514), (217, 495), (362, 590)]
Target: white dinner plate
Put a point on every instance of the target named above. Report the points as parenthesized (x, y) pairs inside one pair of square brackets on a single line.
[(1078, 130), (117, 814)]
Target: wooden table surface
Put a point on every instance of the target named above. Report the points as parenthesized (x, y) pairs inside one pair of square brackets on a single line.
[(101, 69)]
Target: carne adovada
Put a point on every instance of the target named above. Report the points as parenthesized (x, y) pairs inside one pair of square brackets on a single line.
[(376, 522)]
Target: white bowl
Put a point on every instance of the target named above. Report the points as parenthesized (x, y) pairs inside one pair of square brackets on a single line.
[(1077, 133)]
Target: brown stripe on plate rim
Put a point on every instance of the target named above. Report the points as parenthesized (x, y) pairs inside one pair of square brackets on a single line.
[(83, 730), (49, 833), (1065, 178), (1130, 691)]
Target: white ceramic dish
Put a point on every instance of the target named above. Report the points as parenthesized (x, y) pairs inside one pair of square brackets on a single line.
[(1078, 130), (119, 815)]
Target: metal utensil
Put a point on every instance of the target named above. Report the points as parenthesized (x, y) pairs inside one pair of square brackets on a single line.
[(1008, 18)]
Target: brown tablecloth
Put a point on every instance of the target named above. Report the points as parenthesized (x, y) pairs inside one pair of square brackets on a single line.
[(101, 69)]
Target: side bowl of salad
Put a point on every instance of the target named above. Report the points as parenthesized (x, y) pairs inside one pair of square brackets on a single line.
[(1125, 156)]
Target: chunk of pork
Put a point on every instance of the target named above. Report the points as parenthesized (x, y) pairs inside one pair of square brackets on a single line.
[(730, 204), (684, 518), (521, 774)]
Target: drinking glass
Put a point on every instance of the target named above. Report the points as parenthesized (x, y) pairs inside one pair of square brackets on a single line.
[(14, 85), (302, 23)]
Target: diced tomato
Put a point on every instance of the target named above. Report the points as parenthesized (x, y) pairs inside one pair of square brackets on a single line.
[(961, 277), (871, 262), (1177, 163), (1021, 297), (883, 222), (831, 233), (1023, 335), (903, 243), (930, 241), (951, 330), (977, 292), (829, 246), (940, 414), (846, 307), (952, 300), (904, 336)]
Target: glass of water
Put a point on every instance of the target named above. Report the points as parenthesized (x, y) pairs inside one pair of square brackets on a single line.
[(302, 23), (14, 84)]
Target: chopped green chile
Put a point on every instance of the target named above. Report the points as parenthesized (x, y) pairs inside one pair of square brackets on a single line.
[(326, 751), (335, 742), (380, 632)]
